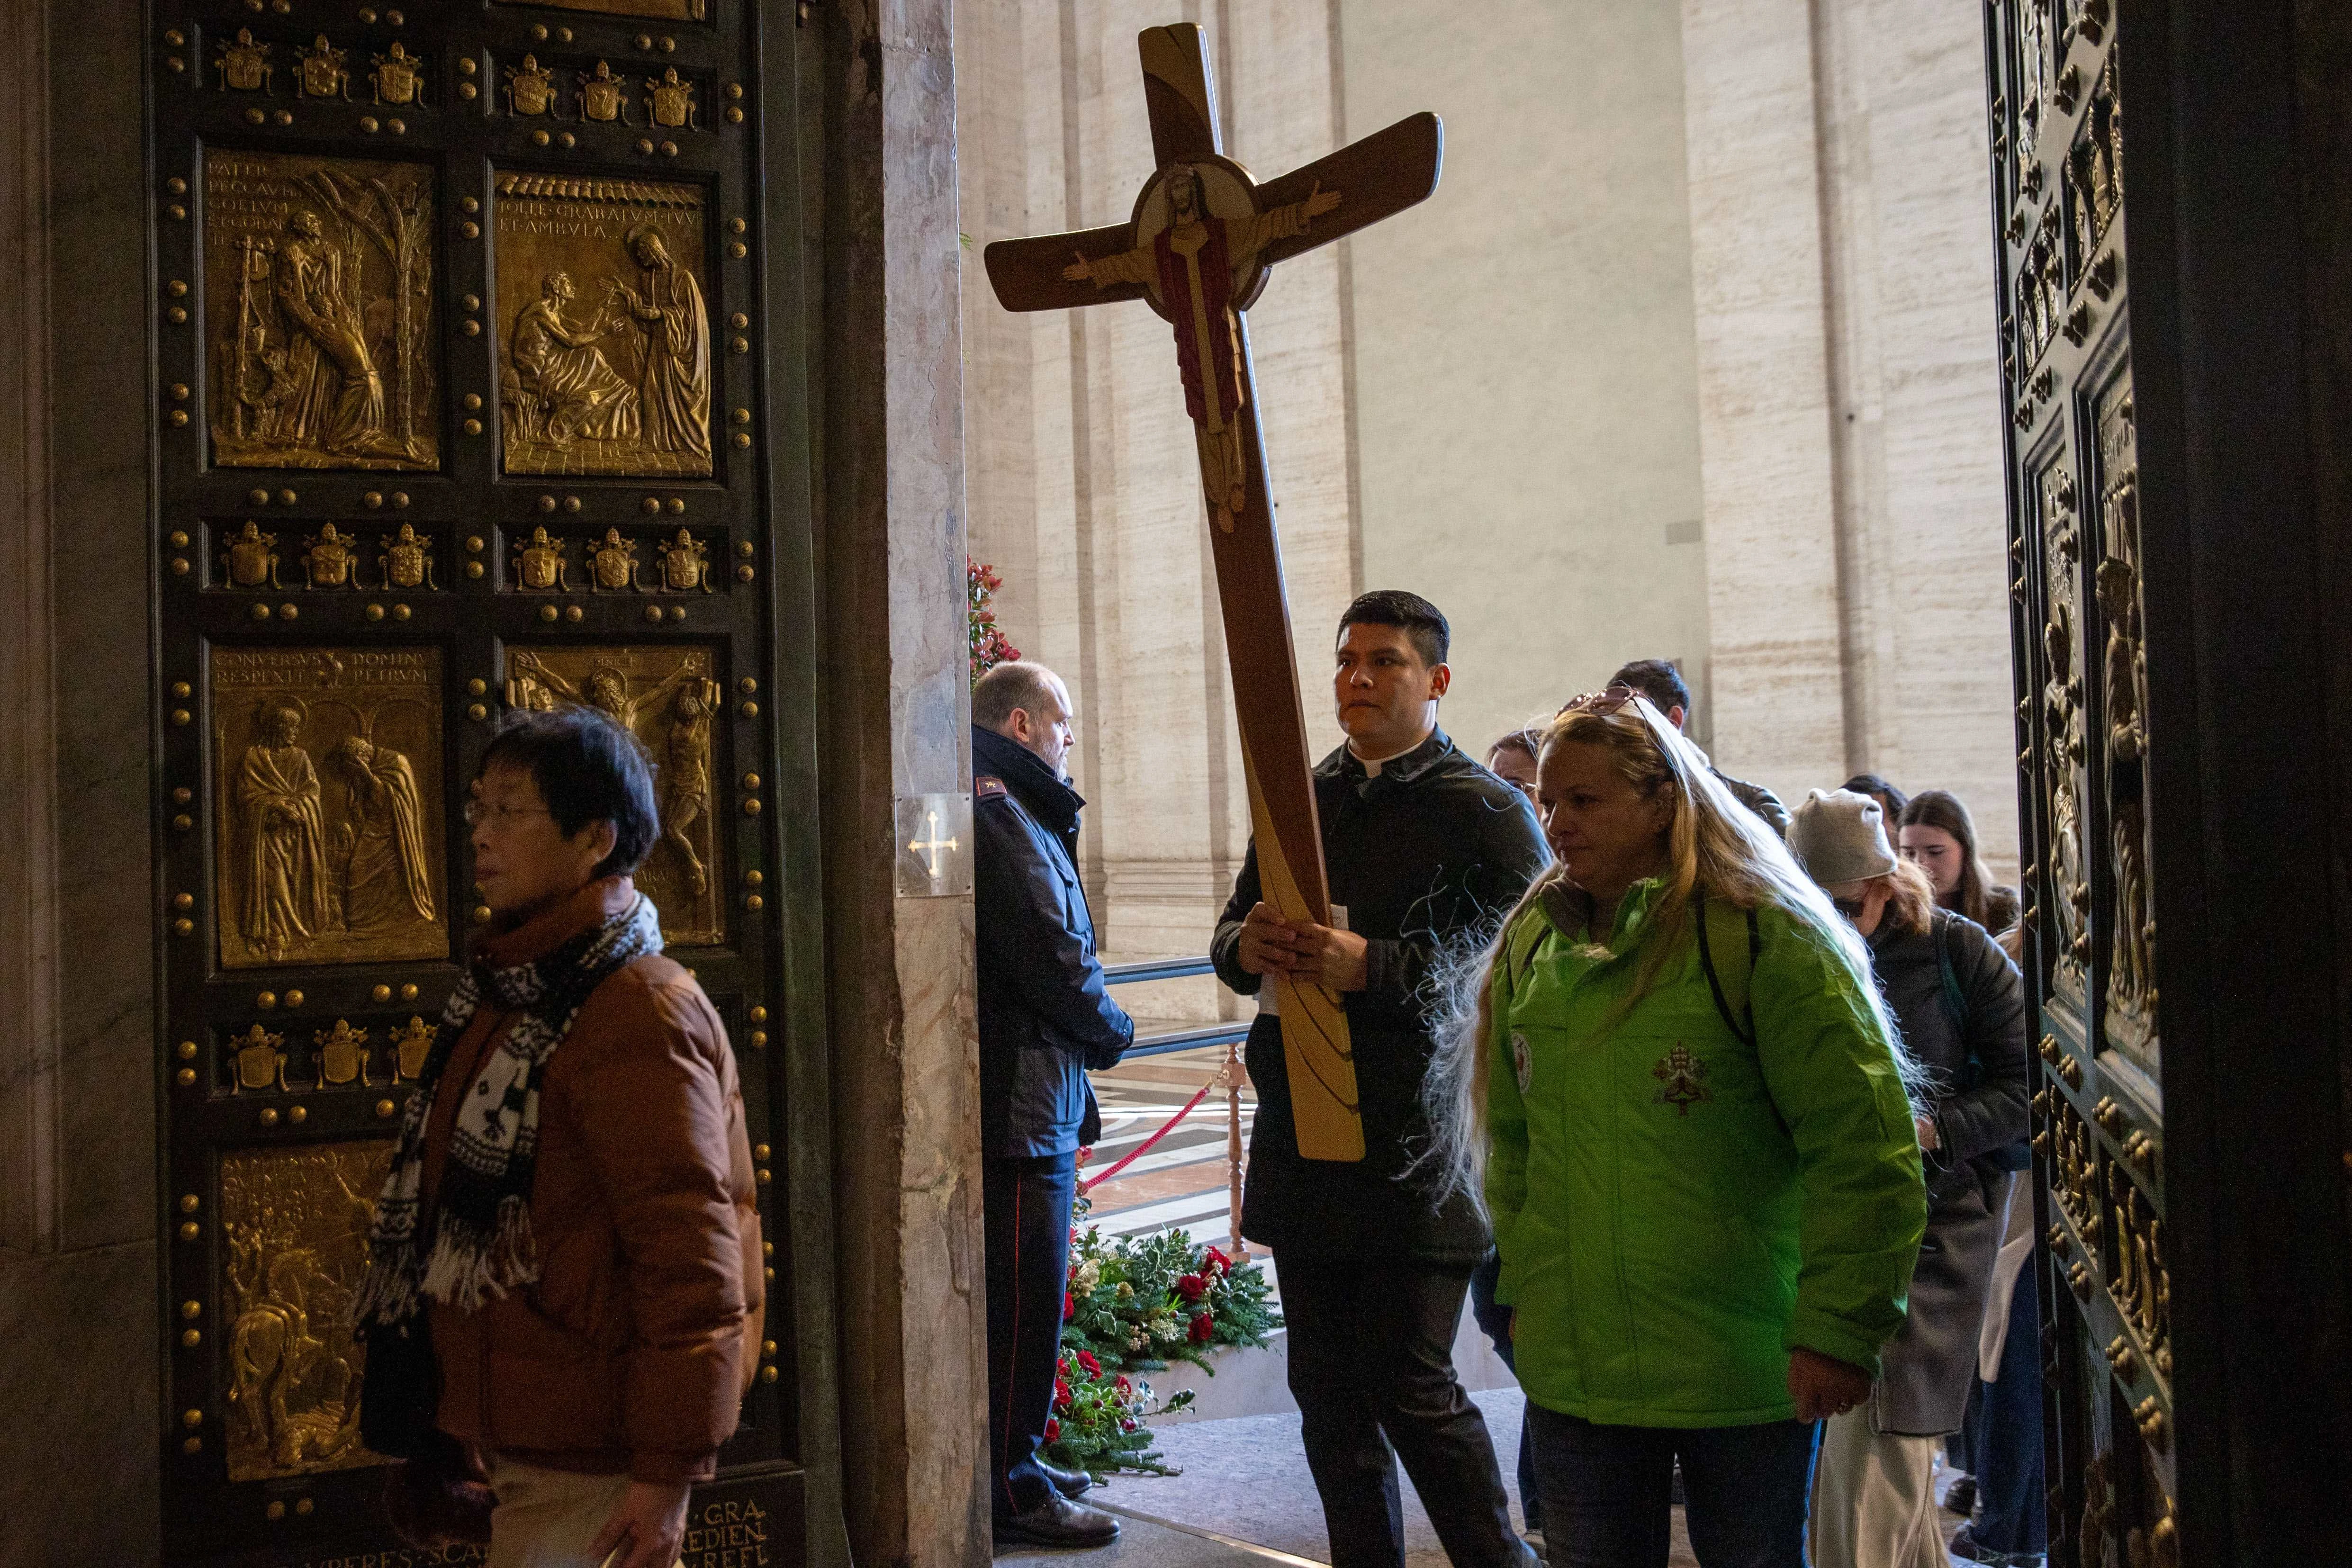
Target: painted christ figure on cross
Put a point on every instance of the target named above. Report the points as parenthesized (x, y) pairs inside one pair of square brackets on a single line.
[(1198, 248), (1194, 260)]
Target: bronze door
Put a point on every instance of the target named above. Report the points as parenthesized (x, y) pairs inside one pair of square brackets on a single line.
[(460, 380), (2059, 180), (2168, 199)]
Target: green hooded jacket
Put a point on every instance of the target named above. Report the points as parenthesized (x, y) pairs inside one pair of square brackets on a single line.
[(1678, 1209)]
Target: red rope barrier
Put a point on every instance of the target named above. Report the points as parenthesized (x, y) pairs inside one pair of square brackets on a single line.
[(1132, 1156)]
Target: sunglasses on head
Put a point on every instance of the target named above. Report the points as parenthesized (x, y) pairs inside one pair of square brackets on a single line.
[(1600, 703)]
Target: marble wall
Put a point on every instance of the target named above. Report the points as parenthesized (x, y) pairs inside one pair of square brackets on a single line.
[(1518, 465), (1850, 396), (890, 502), (1691, 356), (78, 1480), (1525, 386), (1915, 375)]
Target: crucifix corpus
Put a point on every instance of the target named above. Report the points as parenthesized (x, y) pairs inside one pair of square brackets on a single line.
[(1202, 242)]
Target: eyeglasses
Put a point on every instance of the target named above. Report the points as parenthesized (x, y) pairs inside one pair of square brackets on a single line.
[(1600, 704), (477, 813)]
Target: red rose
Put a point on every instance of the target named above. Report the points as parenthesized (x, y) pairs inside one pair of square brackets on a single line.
[(1053, 1430), (1191, 1287), (1086, 1360), (1202, 1330), (1220, 1262), (1126, 1389), (1069, 1306), (1061, 1395)]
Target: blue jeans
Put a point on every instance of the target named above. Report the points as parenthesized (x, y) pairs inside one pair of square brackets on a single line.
[(2004, 1433), (1606, 1490), (1026, 1207), (1494, 1321)]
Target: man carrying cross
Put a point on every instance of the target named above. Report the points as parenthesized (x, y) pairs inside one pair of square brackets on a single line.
[(1426, 850)]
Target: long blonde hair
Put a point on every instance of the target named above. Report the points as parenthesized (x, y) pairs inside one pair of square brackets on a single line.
[(1714, 847)]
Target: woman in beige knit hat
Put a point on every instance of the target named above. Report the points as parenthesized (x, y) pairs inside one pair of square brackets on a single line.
[(1958, 1001)]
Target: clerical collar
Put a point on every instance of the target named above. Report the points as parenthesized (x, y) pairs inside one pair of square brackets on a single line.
[(1404, 766)]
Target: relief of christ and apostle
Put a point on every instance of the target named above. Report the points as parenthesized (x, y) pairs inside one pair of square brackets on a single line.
[(317, 879), (569, 408), (1192, 264)]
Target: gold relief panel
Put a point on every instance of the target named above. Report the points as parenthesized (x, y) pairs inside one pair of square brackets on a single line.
[(2064, 883), (667, 10), (2130, 939), (331, 842), (603, 330), (294, 1224), (318, 313), (671, 700)]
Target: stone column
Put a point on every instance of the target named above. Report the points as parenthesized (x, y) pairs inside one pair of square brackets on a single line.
[(1767, 469), (1915, 371), (78, 1480), (906, 1085)]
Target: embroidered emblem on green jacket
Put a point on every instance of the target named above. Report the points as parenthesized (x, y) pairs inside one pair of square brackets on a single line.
[(1682, 1078)]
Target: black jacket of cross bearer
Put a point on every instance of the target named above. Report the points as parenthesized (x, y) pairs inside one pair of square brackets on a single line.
[(1045, 1014), (1424, 855)]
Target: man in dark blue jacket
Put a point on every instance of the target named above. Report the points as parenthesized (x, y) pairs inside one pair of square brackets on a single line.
[(1044, 1018)]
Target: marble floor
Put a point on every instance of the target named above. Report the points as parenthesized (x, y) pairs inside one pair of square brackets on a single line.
[(1244, 1497)]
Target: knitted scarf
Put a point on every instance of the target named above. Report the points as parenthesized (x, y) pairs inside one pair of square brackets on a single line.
[(477, 1243)]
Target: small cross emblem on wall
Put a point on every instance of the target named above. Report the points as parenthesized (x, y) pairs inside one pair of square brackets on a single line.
[(931, 843), (1682, 1078)]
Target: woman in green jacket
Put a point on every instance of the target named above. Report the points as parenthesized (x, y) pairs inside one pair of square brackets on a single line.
[(1682, 1102)]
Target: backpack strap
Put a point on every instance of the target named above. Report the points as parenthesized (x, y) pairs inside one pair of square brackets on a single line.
[(1526, 933), (1955, 999), (1718, 926)]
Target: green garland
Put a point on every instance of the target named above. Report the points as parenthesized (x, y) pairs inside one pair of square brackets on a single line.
[(1132, 1306)]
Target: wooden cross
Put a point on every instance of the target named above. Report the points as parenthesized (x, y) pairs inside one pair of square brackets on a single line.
[(1200, 247)]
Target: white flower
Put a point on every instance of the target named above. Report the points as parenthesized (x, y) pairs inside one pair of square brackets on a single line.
[(1166, 1329), (1126, 1292), (1090, 1275), (1135, 1338)]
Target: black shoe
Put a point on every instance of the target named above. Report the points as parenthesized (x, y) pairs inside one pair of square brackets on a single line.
[(1058, 1521), (1961, 1497), (1964, 1548), (1069, 1483)]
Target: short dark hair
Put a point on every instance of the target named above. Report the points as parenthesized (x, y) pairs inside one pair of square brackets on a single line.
[(1871, 783), (589, 769), (1657, 679), (1017, 684), (1424, 622)]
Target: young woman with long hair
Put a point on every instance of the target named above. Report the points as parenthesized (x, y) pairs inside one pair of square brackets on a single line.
[(1939, 837), (1961, 1008), (1674, 1086)]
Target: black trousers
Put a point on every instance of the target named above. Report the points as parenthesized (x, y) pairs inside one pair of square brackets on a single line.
[(1371, 1365), (1495, 1322), (1027, 1218)]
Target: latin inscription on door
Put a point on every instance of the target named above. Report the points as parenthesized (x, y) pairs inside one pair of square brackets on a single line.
[(318, 313)]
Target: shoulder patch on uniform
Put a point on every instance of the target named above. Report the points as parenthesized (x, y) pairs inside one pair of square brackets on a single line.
[(988, 786)]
